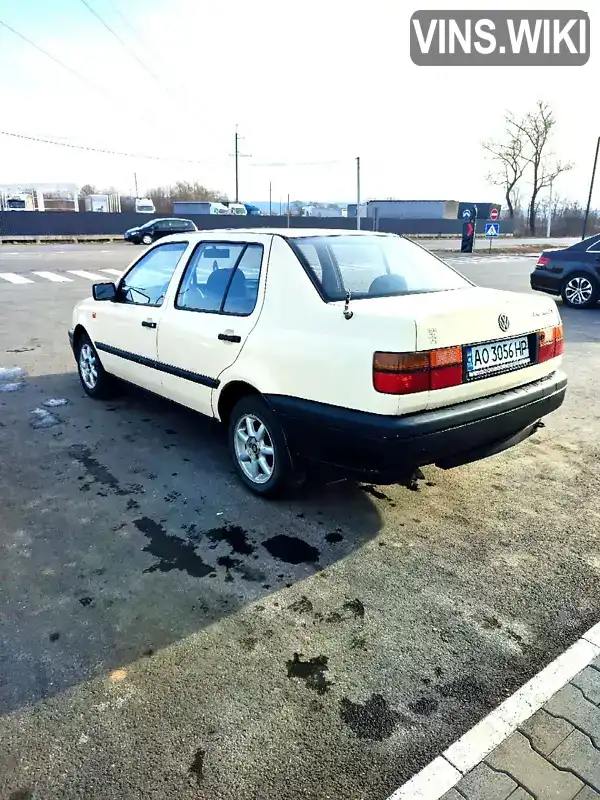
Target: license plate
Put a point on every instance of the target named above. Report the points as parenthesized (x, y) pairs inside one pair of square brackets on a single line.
[(484, 360)]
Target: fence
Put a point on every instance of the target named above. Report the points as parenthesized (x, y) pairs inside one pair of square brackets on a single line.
[(41, 224)]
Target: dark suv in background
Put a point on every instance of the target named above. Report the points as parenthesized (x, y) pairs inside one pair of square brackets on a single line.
[(157, 228)]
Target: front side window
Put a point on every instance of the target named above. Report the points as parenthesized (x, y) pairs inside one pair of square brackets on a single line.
[(373, 266), (222, 278), (147, 282)]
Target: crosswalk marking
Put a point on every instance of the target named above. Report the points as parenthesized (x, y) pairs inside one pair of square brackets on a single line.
[(52, 276), (113, 272), (12, 277), (82, 273)]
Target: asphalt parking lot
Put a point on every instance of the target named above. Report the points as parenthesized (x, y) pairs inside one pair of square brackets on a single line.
[(165, 634)]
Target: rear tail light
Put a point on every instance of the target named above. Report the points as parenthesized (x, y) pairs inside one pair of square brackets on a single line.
[(542, 261), (407, 373), (550, 343)]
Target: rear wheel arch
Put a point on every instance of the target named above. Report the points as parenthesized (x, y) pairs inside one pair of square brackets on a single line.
[(231, 394)]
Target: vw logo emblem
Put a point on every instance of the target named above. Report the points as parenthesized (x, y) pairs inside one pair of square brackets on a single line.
[(503, 322)]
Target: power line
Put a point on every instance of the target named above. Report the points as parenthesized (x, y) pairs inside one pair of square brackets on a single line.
[(128, 23), (56, 60), (149, 157), (121, 41), (98, 87), (106, 151)]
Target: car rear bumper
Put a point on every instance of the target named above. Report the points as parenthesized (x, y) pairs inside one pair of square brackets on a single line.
[(390, 448), (543, 281)]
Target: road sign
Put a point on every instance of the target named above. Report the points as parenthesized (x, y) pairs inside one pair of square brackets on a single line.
[(494, 213), (466, 213), (492, 229)]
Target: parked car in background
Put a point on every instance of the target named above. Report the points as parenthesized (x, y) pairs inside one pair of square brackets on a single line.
[(571, 272), (157, 228), (237, 209), (252, 210), (199, 207), (420, 366), (144, 205)]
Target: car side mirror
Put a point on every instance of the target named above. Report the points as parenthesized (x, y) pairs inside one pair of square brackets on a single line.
[(104, 291)]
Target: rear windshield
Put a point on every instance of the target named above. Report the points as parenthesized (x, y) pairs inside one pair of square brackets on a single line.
[(373, 266)]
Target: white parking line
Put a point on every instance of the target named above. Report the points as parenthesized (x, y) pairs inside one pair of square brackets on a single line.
[(81, 273), (113, 271), (52, 276), (12, 277)]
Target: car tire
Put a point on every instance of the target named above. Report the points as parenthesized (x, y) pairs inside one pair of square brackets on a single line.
[(95, 380), (147, 239), (580, 290), (258, 448)]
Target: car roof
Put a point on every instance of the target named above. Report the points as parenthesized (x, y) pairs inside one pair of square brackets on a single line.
[(293, 233)]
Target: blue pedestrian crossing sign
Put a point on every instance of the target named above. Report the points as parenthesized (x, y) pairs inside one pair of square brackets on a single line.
[(492, 229)]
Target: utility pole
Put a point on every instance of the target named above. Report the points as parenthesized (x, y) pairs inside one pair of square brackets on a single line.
[(135, 182), (237, 177), (358, 193), (288, 212), (237, 155), (549, 219), (270, 196), (587, 209)]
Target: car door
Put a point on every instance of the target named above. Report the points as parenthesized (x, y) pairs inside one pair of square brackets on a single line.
[(125, 330), (207, 322)]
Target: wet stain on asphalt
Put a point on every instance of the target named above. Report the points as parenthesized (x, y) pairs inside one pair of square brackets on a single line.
[(83, 454), (356, 607), (334, 538), (54, 637), (86, 601), (235, 536), (291, 549), (424, 706), (467, 689), (373, 719), (369, 489), (312, 671), (170, 551), (21, 794), (132, 505), (302, 606), (197, 766)]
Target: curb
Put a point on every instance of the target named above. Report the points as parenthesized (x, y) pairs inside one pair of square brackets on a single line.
[(445, 771)]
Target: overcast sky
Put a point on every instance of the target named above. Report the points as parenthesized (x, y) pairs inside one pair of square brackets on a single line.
[(311, 85)]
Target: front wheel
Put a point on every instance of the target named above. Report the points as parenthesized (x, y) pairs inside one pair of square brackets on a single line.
[(147, 239), (258, 448), (95, 380), (580, 290)]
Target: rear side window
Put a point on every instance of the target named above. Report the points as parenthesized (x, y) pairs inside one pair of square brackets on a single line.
[(373, 266), (222, 278), (147, 282)]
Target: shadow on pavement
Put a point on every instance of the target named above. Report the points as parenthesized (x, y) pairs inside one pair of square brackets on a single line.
[(124, 530)]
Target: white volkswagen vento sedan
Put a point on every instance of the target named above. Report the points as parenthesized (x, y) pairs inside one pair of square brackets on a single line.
[(362, 351)]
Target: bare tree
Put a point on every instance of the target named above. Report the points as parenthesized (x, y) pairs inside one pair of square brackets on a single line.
[(87, 189), (510, 161), (163, 196), (537, 127)]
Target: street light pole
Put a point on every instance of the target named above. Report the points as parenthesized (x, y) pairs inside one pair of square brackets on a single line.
[(358, 193), (587, 210), (236, 166), (549, 220)]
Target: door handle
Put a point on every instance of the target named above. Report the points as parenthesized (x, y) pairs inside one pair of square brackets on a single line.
[(147, 323), (229, 337)]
